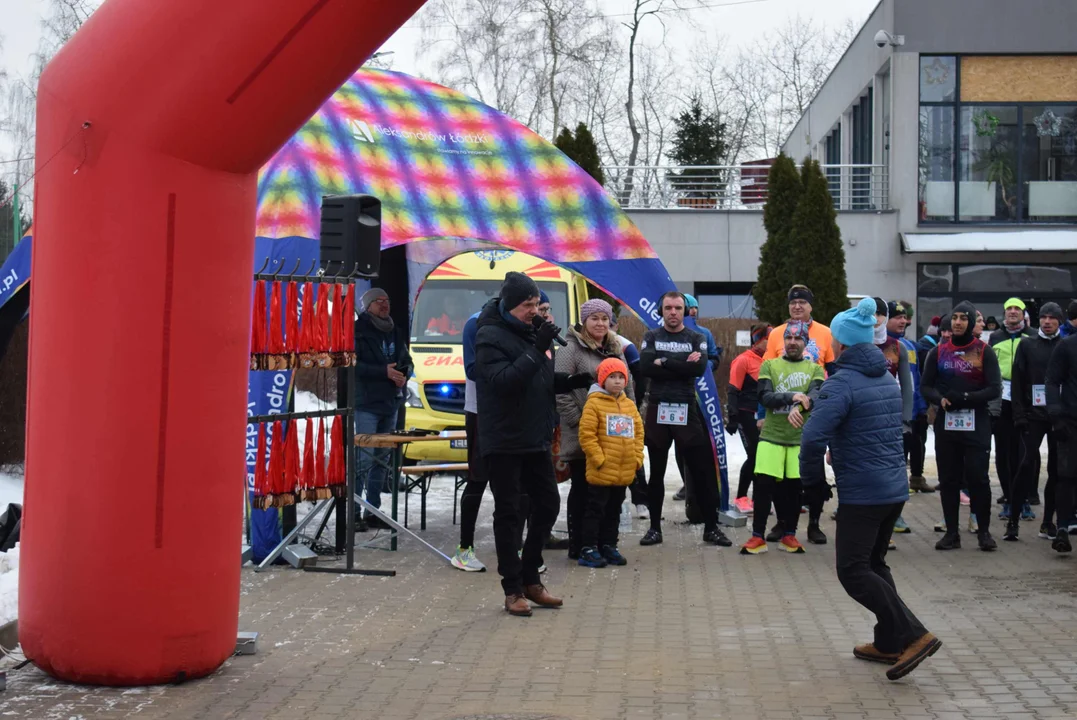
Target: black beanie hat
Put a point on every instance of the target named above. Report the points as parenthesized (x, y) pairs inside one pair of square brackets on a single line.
[(944, 324), (1072, 310), (881, 308), (970, 310), (517, 289), (799, 292), (1052, 310)]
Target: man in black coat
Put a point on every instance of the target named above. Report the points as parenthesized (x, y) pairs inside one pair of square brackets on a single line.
[(516, 385), (1028, 400), (1061, 392), (383, 365)]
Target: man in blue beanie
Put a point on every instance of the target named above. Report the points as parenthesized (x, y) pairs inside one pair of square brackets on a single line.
[(858, 416)]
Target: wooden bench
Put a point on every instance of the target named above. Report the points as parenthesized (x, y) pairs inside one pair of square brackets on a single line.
[(420, 476)]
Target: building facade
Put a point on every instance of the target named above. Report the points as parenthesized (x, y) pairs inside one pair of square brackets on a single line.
[(950, 141), (972, 107)]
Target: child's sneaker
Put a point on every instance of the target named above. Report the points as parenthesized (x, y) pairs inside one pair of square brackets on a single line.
[(744, 505), (1026, 513), (613, 556), (900, 526), (589, 557), (465, 560), (790, 544), (755, 546)]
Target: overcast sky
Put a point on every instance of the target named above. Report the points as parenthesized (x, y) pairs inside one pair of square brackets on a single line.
[(739, 21)]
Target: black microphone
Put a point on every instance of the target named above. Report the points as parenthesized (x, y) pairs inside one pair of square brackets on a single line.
[(538, 322)]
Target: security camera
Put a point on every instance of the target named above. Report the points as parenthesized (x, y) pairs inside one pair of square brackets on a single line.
[(883, 38)]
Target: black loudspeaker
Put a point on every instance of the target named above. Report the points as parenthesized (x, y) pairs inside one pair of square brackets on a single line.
[(351, 233)]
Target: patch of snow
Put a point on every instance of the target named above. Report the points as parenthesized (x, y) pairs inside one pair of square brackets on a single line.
[(11, 489), (9, 585)]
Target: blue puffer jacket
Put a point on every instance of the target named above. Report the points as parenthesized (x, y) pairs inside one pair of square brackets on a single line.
[(858, 415)]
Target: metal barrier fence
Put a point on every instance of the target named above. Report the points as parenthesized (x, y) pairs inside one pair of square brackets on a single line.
[(736, 187)]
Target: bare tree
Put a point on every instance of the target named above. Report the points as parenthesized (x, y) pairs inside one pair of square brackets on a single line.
[(18, 121)]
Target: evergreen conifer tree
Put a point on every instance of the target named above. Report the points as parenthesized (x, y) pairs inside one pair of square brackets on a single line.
[(775, 275), (817, 256)]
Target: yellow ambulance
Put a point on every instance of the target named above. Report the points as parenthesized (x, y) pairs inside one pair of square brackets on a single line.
[(452, 293)]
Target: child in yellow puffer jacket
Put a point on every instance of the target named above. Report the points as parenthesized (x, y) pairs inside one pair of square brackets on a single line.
[(611, 435)]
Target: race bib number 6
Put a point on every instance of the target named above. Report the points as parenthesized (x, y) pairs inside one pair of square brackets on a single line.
[(672, 413)]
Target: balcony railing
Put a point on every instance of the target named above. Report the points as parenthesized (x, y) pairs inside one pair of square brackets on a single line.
[(736, 187)]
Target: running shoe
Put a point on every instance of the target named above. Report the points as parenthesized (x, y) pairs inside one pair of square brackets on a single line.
[(1012, 531), (892, 545), (965, 499), (940, 526), (642, 512), (1026, 513), (974, 524), (901, 526), (987, 543), (717, 537), (613, 556), (589, 557), (744, 505), (949, 541), (465, 560), (1048, 531), (816, 536), (755, 546), (651, 537), (790, 544), (1004, 513), (1062, 542)]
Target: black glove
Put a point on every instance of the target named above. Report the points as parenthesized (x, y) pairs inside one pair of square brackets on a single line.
[(579, 381), (733, 425), (955, 398), (544, 336)]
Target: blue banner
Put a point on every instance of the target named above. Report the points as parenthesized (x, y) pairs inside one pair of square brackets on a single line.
[(638, 284), (16, 271)]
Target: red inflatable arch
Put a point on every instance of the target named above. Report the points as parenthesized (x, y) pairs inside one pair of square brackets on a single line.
[(152, 124)]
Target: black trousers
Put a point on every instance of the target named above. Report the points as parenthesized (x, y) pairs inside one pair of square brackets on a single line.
[(863, 536), (916, 446), (815, 507), (786, 498), (512, 476), (749, 438), (603, 515), (1066, 487), (963, 464), (1027, 476), (638, 488), (577, 504), (694, 444), (471, 498), (1007, 448)]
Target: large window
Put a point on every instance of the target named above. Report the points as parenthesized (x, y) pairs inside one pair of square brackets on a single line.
[(941, 287), (982, 160)]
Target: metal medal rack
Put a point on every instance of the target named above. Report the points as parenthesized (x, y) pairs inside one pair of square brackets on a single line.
[(300, 555)]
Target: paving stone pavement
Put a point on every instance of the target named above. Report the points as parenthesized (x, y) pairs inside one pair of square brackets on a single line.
[(684, 631)]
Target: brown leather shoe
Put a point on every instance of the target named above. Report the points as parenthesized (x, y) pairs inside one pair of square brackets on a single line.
[(539, 595), (921, 649), (517, 605), (868, 652)]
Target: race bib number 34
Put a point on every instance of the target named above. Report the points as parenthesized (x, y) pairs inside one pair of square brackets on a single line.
[(961, 420), (672, 413)]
